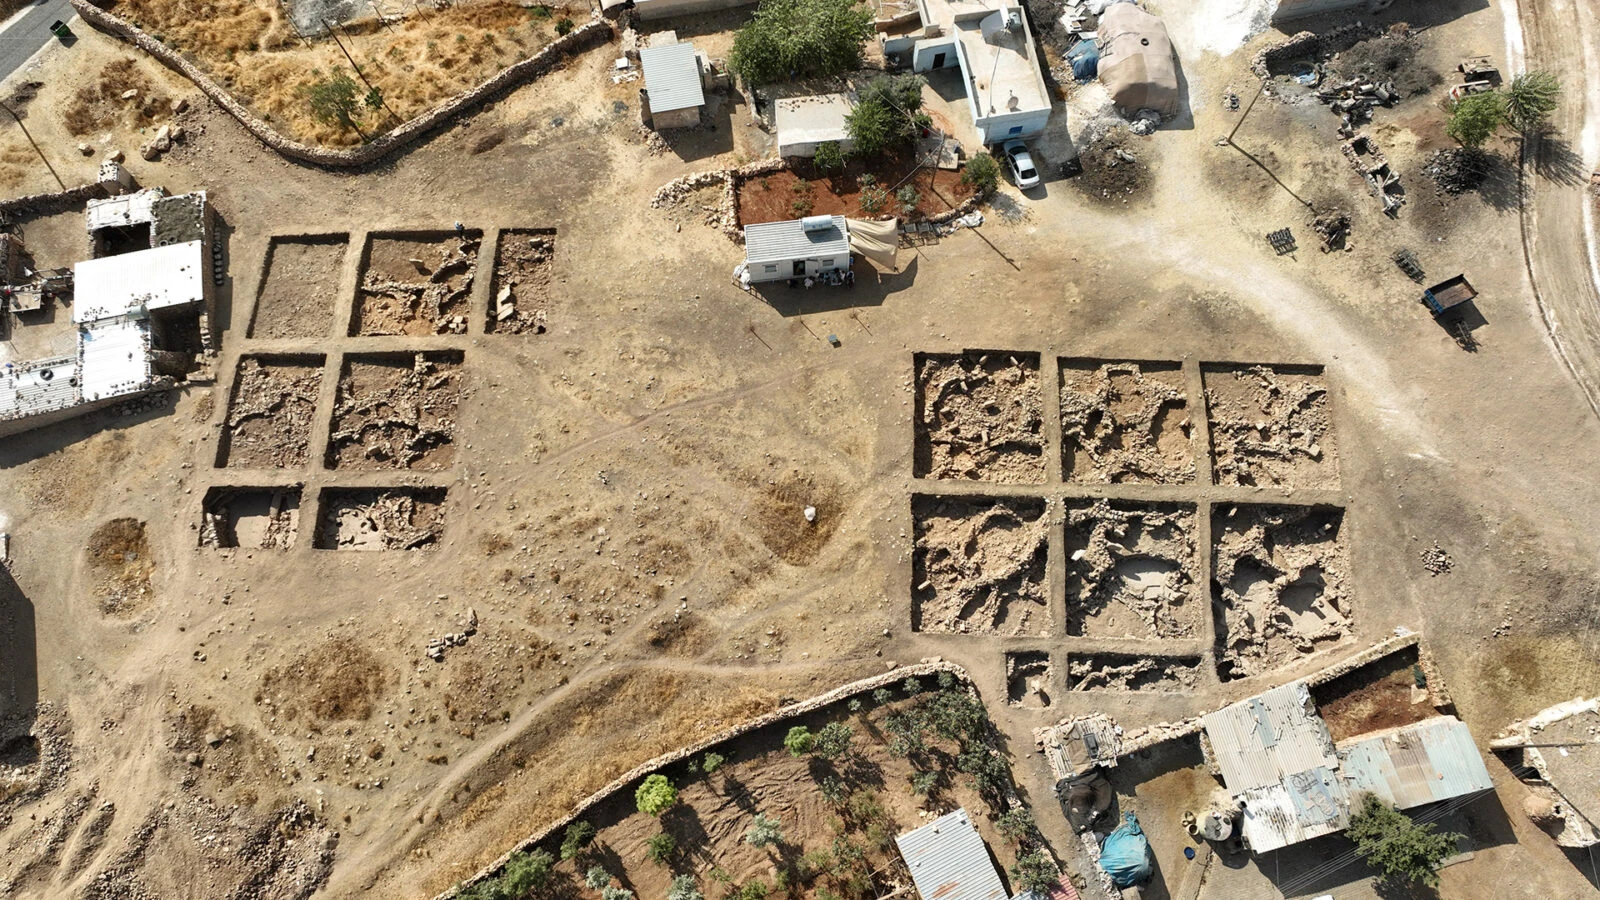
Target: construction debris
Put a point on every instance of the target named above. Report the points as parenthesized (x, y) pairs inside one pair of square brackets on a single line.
[(1436, 561), (1334, 229), (1458, 169)]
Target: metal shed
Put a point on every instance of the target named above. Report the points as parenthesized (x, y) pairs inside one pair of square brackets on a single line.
[(775, 251), (949, 861), (672, 85), (1432, 760)]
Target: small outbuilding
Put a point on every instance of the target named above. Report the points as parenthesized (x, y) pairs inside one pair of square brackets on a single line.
[(1137, 64), (799, 248), (949, 861), (672, 87), (804, 123)]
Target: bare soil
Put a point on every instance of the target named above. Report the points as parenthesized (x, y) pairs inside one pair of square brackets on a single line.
[(104, 103), (520, 295), (120, 562), (297, 297), (1133, 570), (381, 519), (1271, 426), (1125, 423), (270, 414), (251, 518), (1281, 578), (979, 566), (1121, 672), (803, 191), (1028, 679), (396, 412), (337, 681), (1113, 171), (1374, 698), (979, 417), (417, 285)]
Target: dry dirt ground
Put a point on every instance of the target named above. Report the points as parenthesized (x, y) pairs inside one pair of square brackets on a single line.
[(623, 512)]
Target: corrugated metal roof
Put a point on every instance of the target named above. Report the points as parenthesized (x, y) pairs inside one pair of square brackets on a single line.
[(783, 241), (1259, 741), (949, 861), (114, 358), (1422, 763), (671, 77), (134, 282), (37, 387), (1308, 805)]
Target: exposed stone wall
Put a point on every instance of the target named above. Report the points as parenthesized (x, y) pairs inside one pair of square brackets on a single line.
[(51, 203), (590, 34), (726, 217), (793, 710), (1298, 46)]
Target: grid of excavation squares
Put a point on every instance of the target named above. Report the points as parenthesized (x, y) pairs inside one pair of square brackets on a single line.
[(1270, 426), (416, 283), (396, 411)]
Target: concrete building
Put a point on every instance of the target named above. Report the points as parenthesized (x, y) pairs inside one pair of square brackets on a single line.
[(1295, 9), (949, 860), (799, 248), (1558, 746), (672, 90), (991, 43), (802, 123)]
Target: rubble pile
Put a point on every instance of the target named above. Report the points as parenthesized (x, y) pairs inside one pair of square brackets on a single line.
[(1353, 99), (1132, 571), (725, 216), (1436, 561), (439, 645), (980, 417), (1125, 423), (396, 414), (978, 566), (1458, 169), (1334, 229)]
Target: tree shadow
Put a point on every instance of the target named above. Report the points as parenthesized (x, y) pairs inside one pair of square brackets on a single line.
[(1553, 158), (682, 821), (736, 791)]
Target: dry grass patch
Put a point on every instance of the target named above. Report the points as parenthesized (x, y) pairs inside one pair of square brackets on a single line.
[(337, 681), (119, 556), (100, 104)]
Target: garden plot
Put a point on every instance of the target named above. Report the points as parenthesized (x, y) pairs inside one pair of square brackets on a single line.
[(1028, 679), (416, 284), (266, 518), (1271, 426), (270, 413), (301, 284), (979, 417), (396, 411), (1280, 585), (978, 566), (1122, 672), (380, 519), (1132, 570), (522, 275), (1125, 423)]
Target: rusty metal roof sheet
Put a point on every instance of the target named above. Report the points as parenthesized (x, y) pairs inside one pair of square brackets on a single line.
[(1431, 760), (1259, 741), (949, 861)]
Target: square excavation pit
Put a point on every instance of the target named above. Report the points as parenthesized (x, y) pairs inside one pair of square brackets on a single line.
[(300, 286), (1271, 426), (416, 283), (1127, 672), (1125, 422), (1133, 570), (978, 566), (396, 411), (1280, 577), (399, 518), (979, 417), (251, 518), (523, 264), (270, 411), (1028, 679)]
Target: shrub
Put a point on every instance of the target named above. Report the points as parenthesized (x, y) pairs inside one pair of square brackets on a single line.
[(1530, 98), (834, 790), (597, 877), (525, 872), (1036, 873), (763, 832), (1401, 850), (874, 199), (334, 101), (800, 37), (828, 158), (1018, 825), (833, 740), (1475, 118), (564, 27), (881, 695), (683, 887), (713, 762), (580, 834), (610, 892), (908, 198), (660, 848), (923, 783), (751, 890), (801, 207), (911, 686), (656, 795), (799, 740), (982, 173)]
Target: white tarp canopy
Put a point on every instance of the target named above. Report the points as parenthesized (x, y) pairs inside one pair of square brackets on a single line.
[(877, 241), (1136, 61)]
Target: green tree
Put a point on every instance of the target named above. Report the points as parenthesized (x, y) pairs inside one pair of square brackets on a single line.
[(525, 872), (661, 847), (1036, 873), (1018, 825), (829, 159), (683, 887), (335, 101), (871, 127), (612, 892), (580, 834), (981, 173), (764, 832), (1475, 118), (833, 740), (597, 877), (564, 27), (803, 38), (799, 740), (1400, 849), (1530, 98), (888, 113), (655, 795)]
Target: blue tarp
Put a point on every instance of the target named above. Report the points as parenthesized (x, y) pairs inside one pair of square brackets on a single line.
[(1126, 854), (1085, 60)]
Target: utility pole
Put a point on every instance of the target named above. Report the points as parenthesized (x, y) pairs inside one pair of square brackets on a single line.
[(359, 74), (36, 149)]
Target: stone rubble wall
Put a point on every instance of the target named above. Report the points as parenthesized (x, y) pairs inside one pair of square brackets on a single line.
[(53, 202), (1300, 45), (726, 217), (590, 34), (793, 710)]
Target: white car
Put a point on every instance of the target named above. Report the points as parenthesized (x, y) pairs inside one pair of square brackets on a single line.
[(1023, 171)]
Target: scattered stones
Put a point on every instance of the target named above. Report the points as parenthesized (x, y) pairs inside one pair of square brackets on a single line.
[(979, 417), (1459, 169), (1271, 426), (396, 411), (1436, 560), (1125, 423), (978, 566)]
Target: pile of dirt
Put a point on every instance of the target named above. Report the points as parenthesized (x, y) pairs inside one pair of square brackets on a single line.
[(1457, 170), (1111, 170), (979, 417), (1389, 57), (978, 566), (1125, 423), (1271, 426), (119, 559), (1118, 672), (269, 417), (417, 286), (1132, 570), (1280, 579), (383, 519), (522, 267), (396, 412)]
